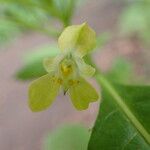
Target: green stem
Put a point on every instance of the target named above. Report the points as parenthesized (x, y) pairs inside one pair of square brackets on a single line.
[(118, 99)]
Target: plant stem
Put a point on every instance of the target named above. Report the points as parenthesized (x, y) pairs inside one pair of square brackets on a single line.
[(118, 99)]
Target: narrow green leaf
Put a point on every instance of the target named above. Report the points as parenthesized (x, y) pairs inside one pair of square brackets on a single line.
[(7, 30), (123, 122), (31, 70)]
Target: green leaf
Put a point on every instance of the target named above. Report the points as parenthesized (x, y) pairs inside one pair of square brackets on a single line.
[(30, 71), (26, 17), (68, 137), (33, 62), (39, 15), (123, 122), (64, 10), (7, 30)]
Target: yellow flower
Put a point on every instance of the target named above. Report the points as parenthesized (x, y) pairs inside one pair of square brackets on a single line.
[(67, 71)]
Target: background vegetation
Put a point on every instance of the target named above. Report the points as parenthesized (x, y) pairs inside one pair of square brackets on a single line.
[(115, 127)]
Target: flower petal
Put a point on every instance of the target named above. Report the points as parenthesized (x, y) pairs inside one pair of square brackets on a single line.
[(82, 94), (42, 92), (85, 69), (77, 37), (50, 64)]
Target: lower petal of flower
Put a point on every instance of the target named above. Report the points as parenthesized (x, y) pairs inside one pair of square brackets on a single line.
[(42, 92), (82, 93)]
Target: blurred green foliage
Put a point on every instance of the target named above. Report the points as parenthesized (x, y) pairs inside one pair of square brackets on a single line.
[(135, 19), (35, 15), (7, 30), (102, 39), (33, 62), (120, 71), (68, 137)]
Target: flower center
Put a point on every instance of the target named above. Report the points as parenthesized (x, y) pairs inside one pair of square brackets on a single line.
[(57, 80), (67, 67), (73, 82)]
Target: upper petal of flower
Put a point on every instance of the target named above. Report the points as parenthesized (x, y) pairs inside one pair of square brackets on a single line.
[(80, 38), (42, 92), (82, 93)]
